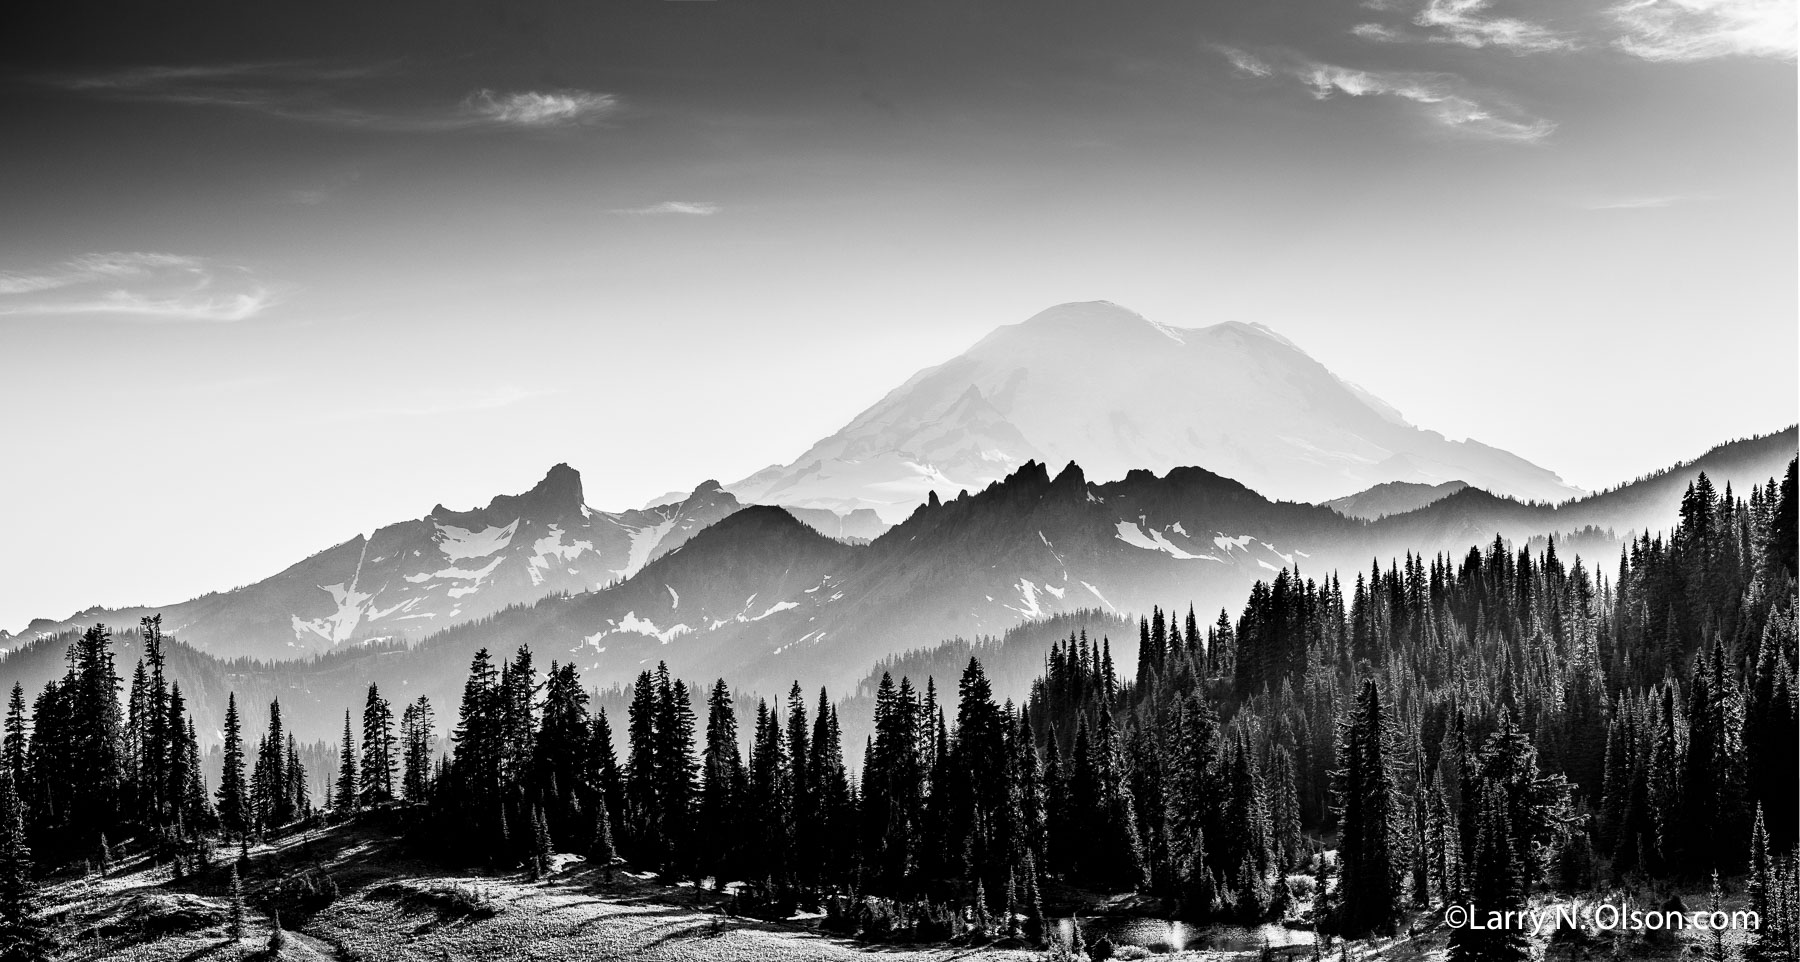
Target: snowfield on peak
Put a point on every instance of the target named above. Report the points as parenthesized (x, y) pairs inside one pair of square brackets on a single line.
[(1101, 386)]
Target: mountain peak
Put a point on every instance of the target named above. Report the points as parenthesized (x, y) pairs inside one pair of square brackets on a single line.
[(558, 494), (561, 485), (1103, 386)]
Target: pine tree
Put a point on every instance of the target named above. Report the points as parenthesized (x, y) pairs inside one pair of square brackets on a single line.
[(601, 853), (344, 792), (1035, 925), (1366, 814), (234, 800), (236, 926), (1716, 948), (377, 775), (416, 727), (721, 774), (17, 738), (642, 816), (677, 771), (23, 935), (1495, 886), (1763, 889)]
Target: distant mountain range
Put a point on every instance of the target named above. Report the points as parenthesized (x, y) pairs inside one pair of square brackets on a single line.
[(762, 599), (1394, 497), (1098, 385), (792, 574)]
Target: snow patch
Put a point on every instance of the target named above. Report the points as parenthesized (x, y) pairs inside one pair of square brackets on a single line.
[(1029, 606), (643, 541), (778, 606), (459, 543), (1096, 593), (551, 547), (642, 626), (477, 575), (1135, 536)]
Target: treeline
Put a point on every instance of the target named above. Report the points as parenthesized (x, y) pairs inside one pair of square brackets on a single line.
[(1459, 730)]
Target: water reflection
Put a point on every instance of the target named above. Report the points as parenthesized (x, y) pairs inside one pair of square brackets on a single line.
[(1165, 935)]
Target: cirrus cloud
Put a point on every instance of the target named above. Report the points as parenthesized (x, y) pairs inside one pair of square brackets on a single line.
[(136, 285), (338, 96), (1448, 101), (547, 109), (1687, 30), (689, 208)]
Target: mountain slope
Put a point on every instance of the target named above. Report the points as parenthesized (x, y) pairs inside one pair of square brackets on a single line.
[(1393, 497), (762, 599), (1650, 503), (416, 577), (1101, 386)]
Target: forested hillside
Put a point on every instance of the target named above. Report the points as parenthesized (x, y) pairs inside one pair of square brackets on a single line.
[(1451, 729)]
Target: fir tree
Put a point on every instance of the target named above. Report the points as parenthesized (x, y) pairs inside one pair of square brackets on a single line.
[(234, 799), (601, 853), (345, 794), (235, 928), (377, 775), (23, 935)]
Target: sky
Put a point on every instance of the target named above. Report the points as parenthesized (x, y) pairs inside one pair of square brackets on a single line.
[(274, 275)]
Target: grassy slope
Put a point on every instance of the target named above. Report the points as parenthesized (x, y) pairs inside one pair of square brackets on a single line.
[(394, 908), (391, 908)]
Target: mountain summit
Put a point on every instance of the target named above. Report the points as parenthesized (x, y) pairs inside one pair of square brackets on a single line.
[(1105, 387), (411, 578)]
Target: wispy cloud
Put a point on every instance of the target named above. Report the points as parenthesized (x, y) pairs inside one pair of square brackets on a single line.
[(689, 208), (324, 94), (1663, 30), (1246, 62), (1637, 203), (137, 285), (1445, 99), (1687, 30), (1470, 23), (533, 109), (1381, 33)]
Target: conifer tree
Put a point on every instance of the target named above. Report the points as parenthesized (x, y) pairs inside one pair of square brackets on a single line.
[(1495, 886), (23, 935), (235, 928), (721, 775), (234, 800), (13, 747), (377, 775), (347, 799), (1366, 816), (601, 853), (1716, 948), (416, 734)]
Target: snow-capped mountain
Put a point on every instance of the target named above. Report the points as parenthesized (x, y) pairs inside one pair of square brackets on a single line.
[(1112, 391), (415, 577), (762, 599)]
